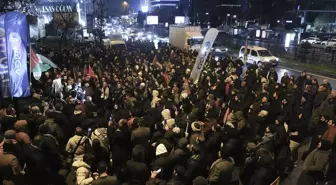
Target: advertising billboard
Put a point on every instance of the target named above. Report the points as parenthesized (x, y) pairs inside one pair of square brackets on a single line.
[(152, 20), (179, 20)]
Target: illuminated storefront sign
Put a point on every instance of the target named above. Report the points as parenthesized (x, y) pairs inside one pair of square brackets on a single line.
[(58, 8)]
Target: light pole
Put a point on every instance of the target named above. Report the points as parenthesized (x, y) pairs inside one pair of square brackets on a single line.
[(227, 16), (125, 6)]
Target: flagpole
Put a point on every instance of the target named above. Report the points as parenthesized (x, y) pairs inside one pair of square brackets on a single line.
[(30, 69)]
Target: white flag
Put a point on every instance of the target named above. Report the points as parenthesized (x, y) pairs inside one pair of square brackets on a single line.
[(203, 53)]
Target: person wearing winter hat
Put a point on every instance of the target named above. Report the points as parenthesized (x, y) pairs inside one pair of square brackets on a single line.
[(200, 181), (169, 124), (155, 98), (197, 126), (160, 150), (166, 114)]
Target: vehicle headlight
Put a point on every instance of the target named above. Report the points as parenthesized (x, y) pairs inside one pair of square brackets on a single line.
[(218, 50), (277, 59)]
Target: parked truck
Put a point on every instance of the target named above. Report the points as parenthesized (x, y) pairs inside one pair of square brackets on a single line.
[(185, 37)]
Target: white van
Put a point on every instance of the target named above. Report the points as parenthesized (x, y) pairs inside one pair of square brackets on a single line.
[(259, 55)]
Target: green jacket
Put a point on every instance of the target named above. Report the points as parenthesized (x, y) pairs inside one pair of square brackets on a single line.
[(316, 161), (221, 172)]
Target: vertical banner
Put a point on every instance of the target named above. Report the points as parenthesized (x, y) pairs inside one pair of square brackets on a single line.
[(4, 73), (16, 27), (203, 53)]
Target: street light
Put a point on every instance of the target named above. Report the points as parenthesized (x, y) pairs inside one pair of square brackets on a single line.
[(144, 9), (234, 16), (227, 16), (125, 4)]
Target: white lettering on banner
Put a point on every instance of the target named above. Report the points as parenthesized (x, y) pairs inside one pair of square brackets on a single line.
[(203, 53), (53, 9)]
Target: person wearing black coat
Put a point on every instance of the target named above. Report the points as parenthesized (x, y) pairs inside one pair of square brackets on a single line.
[(178, 176), (37, 163), (181, 153), (195, 166), (301, 80), (285, 79), (320, 96), (63, 122), (163, 161), (272, 74), (275, 107), (120, 144), (135, 171), (77, 118), (100, 154), (50, 148), (250, 164), (264, 174), (281, 146), (212, 145)]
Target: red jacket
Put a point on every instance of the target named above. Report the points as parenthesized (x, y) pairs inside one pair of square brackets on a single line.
[(330, 134)]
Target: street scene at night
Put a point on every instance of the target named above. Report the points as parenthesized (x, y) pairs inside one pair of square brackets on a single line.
[(167, 92)]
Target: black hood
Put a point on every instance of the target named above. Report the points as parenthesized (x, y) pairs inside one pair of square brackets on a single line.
[(325, 145)]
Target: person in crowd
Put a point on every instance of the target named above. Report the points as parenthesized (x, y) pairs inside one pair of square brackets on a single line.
[(78, 144), (221, 170), (104, 178), (83, 170), (250, 164), (330, 133), (316, 161), (10, 169), (135, 170)]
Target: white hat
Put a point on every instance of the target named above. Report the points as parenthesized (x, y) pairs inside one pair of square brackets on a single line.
[(170, 123), (176, 130), (184, 95), (166, 114), (142, 84), (160, 149), (197, 126)]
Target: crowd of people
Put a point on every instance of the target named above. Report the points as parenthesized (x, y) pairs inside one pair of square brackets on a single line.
[(133, 116)]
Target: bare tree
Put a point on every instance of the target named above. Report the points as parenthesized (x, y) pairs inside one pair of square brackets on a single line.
[(26, 6), (63, 22), (100, 14)]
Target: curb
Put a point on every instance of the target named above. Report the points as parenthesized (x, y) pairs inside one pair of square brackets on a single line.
[(310, 71)]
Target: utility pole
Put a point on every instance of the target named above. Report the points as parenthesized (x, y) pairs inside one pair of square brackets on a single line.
[(194, 11)]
